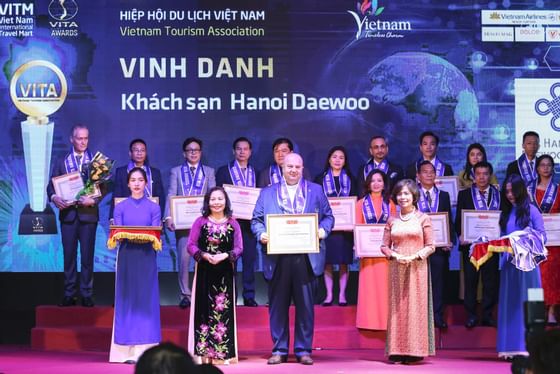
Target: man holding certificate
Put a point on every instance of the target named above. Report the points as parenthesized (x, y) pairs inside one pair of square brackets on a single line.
[(78, 222), (433, 200), (190, 179), (292, 275), (240, 173), (482, 196)]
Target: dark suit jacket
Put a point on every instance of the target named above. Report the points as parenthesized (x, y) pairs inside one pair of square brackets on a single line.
[(224, 177), (394, 173), (263, 178), (353, 184), (267, 203), (445, 206), (87, 214), (411, 170), (512, 168), (120, 187), (464, 202)]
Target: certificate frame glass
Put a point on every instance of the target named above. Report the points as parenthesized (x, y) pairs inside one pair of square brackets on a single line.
[(292, 233), (477, 223), (552, 228), (67, 186), (243, 200), (449, 184), (440, 228), (184, 210), (368, 239), (344, 212)]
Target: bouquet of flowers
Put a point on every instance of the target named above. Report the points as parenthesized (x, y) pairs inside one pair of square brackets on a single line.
[(98, 171)]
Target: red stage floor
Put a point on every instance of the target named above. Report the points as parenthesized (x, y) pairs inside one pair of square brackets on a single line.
[(26, 360)]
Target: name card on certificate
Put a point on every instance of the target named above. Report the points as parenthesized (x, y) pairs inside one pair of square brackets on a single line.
[(344, 211), (67, 186), (292, 233), (154, 199), (552, 228), (185, 210), (440, 228), (368, 240), (478, 223), (242, 199), (450, 185)]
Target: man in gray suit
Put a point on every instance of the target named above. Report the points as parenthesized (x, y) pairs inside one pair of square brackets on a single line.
[(189, 179)]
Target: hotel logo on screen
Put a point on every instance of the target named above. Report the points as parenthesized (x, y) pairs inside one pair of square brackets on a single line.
[(370, 25), (537, 108)]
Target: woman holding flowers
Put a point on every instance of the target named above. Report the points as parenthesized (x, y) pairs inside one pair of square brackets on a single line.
[(215, 242), (136, 324)]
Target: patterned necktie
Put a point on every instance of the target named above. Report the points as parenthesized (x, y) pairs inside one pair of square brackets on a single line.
[(429, 197), (192, 168), (78, 159)]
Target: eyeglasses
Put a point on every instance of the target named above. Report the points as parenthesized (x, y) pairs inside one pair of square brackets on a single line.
[(192, 150)]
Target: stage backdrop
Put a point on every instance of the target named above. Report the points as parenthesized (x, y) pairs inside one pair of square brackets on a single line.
[(322, 73)]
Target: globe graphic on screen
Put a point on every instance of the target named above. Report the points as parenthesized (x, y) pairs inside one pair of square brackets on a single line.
[(434, 94)]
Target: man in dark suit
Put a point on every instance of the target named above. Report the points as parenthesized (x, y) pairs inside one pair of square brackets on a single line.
[(429, 143), (525, 165), (273, 173), (240, 173), (433, 200), (378, 150), (294, 275), (78, 222), (138, 158), (189, 179), (481, 196)]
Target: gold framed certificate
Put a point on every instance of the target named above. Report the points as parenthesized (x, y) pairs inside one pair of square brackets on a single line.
[(344, 212), (117, 200), (477, 223), (292, 233), (185, 210), (552, 228), (440, 228), (450, 185), (67, 186), (368, 240), (242, 199)]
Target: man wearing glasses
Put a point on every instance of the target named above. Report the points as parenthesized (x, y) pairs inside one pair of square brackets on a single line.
[(189, 179)]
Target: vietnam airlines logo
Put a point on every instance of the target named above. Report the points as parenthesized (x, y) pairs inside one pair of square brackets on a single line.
[(495, 15), (369, 7)]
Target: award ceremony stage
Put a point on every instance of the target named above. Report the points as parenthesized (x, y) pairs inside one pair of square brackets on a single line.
[(77, 339)]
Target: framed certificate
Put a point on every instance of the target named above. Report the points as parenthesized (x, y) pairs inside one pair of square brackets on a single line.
[(243, 200), (67, 186), (344, 211), (477, 223), (440, 228), (450, 185), (292, 233), (552, 228), (368, 240), (185, 210), (117, 200)]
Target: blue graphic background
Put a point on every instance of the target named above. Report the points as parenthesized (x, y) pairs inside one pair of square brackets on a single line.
[(438, 77)]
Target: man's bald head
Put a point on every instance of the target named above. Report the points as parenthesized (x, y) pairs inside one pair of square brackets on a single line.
[(292, 168)]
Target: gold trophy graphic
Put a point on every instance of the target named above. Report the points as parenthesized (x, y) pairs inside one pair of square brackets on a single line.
[(38, 88)]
